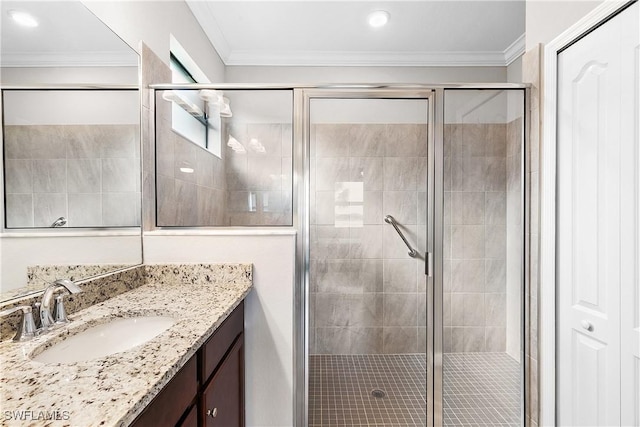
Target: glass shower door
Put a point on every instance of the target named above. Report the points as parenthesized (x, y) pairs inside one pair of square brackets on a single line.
[(483, 258), (367, 295)]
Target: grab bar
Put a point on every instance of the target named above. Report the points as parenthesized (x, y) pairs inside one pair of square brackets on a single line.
[(391, 220)]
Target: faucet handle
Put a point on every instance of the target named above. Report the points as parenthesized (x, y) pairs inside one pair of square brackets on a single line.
[(59, 313), (27, 327)]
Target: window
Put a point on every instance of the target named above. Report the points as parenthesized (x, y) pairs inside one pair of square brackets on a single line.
[(192, 115)]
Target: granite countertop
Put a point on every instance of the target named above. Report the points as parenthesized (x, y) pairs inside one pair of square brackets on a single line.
[(113, 391)]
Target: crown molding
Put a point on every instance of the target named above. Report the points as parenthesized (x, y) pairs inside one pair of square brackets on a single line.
[(515, 50), (340, 58), (66, 59)]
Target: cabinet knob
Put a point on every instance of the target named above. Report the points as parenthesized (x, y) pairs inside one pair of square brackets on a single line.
[(212, 412)]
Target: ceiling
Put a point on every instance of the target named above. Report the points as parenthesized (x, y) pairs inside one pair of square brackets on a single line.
[(68, 34), (336, 33)]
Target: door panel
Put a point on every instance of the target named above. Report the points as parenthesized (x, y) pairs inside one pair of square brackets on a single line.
[(597, 226)]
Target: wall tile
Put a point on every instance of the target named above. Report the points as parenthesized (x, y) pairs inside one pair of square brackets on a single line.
[(398, 340), (49, 176), (495, 207), (495, 339), (496, 309), (333, 340), (400, 173), (368, 275), (18, 175), (19, 210), (85, 210), (368, 170), (400, 310), (367, 140), (121, 209), (495, 242), (269, 135), (400, 276), (330, 243), (366, 242), (474, 241), (457, 340), (473, 340), (329, 171), (365, 310), (495, 275), (120, 175), (48, 207), (365, 340), (393, 246), (336, 276), (84, 176), (332, 310), (402, 205), (331, 140), (474, 310), (401, 140)]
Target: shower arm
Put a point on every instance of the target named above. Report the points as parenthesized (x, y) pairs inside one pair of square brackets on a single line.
[(391, 220)]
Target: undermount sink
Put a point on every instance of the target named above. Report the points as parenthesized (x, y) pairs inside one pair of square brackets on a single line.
[(115, 336)]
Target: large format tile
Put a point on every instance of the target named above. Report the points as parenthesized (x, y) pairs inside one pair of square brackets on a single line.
[(49, 176), (84, 176), (85, 210)]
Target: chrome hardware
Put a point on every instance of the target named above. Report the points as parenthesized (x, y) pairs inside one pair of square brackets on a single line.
[(391, 220), (587, 325), (27, 328), (428, 268), (59, 314), (212, 412), (59, 222), (46, 319)]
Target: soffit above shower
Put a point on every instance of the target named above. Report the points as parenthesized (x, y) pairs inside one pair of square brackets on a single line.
[(336, 33)]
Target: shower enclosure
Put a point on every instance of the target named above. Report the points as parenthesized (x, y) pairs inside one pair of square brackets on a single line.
[(409, 207), (414, 264)]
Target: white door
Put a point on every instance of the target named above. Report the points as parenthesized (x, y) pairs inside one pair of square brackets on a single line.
[(597, 227)]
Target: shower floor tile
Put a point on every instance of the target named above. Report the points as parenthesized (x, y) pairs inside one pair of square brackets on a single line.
[(480, 389), (340, 389)]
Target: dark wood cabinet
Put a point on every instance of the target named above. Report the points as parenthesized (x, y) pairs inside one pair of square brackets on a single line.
[(222, 399), (209, 389)]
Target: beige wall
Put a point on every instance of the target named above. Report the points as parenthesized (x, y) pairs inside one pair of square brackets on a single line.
[(545, 20)]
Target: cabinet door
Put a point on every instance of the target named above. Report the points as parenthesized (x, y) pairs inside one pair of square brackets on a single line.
[(223, 398)]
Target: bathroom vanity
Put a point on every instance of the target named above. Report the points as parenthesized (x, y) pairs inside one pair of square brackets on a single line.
[(191, 374), (209, 389)]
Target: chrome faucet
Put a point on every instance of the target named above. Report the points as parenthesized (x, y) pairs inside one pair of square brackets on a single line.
[(27, 327), (46, 319)]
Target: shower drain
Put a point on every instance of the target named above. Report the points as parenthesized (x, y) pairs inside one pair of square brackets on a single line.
[(376, 392)]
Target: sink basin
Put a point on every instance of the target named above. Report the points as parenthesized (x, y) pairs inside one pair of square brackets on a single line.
[(115, 336)]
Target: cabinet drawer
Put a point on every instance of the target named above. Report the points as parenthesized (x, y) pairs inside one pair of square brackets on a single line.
[(168, 406), (215, 348), (223, 398)]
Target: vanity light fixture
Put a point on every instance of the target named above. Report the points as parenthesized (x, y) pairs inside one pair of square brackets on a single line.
[(378, 18), (23, 18), (235, 145)]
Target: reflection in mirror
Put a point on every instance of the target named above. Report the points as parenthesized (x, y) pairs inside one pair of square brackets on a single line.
[(238, 173), (71, 147)]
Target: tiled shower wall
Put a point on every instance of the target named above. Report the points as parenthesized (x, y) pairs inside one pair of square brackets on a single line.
[(196, 198), (89, 174), (367, 296), (259, 182), (475, 237)]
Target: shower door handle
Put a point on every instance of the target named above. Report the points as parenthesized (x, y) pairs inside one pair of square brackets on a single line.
[(428, 264)]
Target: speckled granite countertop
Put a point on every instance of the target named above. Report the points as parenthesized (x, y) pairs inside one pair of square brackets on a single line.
[(113, 390)]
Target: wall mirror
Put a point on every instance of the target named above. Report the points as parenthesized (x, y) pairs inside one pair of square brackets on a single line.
[(70, 147)]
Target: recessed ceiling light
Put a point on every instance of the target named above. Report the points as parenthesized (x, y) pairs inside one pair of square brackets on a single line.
[(23, 18), (378, 18)]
